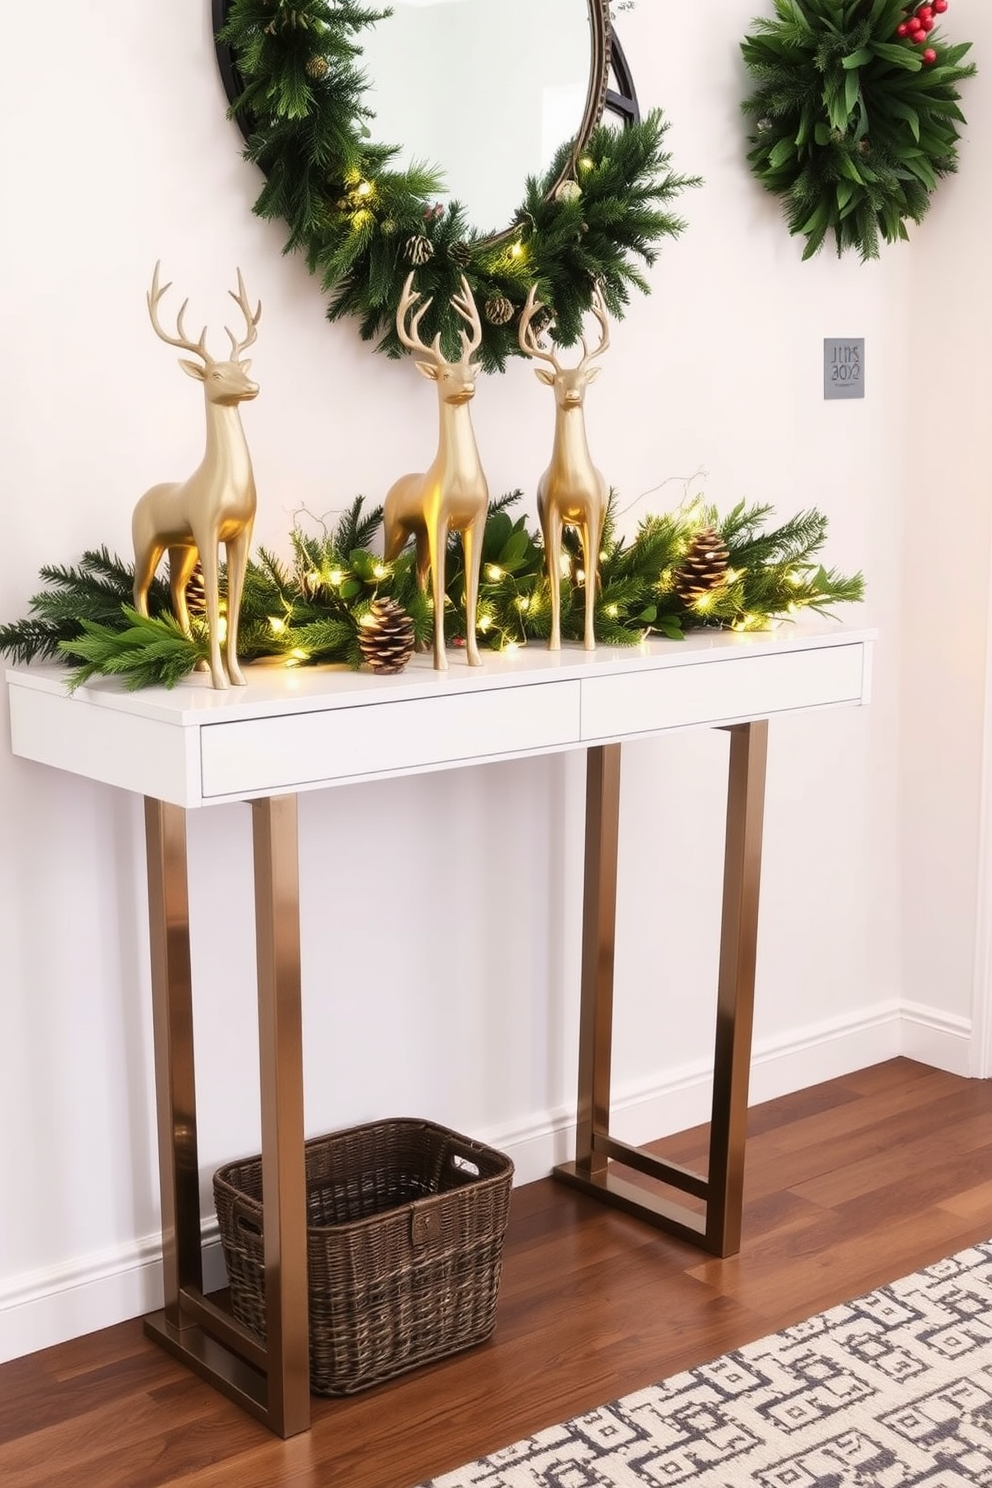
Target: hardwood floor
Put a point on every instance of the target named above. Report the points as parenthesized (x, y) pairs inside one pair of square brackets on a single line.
[(849, 1184)]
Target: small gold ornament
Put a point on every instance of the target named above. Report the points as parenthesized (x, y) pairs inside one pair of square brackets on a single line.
[(385, 637), (317, 68), (499, 310), (704, 567), (418, 249), (568, 191)]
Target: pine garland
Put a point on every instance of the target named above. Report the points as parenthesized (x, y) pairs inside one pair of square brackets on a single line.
[(309, 610), (855, 115), (361, 224)]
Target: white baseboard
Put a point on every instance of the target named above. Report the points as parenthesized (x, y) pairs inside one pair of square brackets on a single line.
[(47, 1307), (937, 1039), (42, 1308)]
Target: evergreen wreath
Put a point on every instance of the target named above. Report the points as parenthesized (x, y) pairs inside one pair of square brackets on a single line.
[(681, 571), (362, 225), (855, 115)]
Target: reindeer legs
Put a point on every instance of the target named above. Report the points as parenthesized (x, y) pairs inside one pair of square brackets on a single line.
[(437, 537), (472, 538), (551, 532), (237, 549)]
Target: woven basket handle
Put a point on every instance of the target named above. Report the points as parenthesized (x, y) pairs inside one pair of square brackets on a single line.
[(245, 1218)]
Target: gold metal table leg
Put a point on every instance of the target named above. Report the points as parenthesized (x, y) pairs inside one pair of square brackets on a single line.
[(280, 1031), (172, 1022), (718, 1227), (270, 1380)]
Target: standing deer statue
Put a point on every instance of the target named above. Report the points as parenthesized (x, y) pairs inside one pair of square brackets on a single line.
[(216, 504), (571, 492), (452, 496)]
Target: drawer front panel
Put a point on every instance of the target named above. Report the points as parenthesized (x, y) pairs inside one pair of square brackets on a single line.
[(720, 691), (306, 750)]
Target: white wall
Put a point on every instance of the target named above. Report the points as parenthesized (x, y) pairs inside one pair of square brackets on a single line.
[(442, 915)]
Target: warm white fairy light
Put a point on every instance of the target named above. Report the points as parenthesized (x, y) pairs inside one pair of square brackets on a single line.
[(493, 572), (276, 624)]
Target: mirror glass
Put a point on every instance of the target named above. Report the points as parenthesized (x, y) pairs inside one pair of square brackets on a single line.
[(486, 89)]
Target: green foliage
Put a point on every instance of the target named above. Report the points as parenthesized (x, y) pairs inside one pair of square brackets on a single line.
[(308, 610), (353, 215), (146, 651), (95, 590), (850, 127)]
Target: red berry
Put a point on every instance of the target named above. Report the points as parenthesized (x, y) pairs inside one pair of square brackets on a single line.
[(902, 29), (927, 25), (917, 36), (939, 6), (929, 56)]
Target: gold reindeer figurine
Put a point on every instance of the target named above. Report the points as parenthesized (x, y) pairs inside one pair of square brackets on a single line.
[(191, 518), (571, 492), (452, 496)]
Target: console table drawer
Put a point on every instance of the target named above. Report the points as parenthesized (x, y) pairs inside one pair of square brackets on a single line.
[(722, 691), (294, 751)]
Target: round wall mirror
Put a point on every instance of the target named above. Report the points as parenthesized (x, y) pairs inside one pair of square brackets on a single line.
[(450, 83)]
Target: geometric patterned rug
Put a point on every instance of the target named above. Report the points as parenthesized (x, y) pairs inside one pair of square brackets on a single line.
[(892, 1390)]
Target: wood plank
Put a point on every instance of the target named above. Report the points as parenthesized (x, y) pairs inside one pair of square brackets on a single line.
[(848, 1185)]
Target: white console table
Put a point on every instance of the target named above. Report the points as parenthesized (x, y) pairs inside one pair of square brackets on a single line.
[(292, 731)]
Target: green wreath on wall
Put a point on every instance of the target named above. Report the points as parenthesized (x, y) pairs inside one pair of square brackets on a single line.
[(361, 224), (855, 115)]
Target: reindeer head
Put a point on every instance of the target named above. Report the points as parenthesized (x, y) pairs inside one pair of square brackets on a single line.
[(569, 383), (455, 380), (224, 382)]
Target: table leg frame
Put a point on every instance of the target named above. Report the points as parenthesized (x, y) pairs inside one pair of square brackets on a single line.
[(270, 1380), (718, 1228)]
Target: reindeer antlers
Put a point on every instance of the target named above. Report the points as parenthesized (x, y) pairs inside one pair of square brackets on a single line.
[(528, 341), (526, 338), (199, 348), (251, 321), (463, 303)]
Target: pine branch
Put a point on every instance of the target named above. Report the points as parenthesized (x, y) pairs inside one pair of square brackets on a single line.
[(147, 652), (309, 611)]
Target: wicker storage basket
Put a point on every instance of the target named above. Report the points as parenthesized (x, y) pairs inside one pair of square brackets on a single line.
[(405, 1229)]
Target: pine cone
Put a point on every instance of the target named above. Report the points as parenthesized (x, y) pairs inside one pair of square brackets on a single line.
[(385, 637), (317, 67), (460, 253), (196, 594), (499, 310), (704, 567), (418, 249)]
